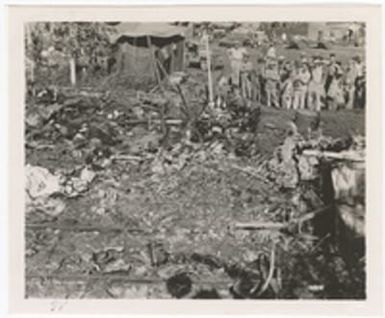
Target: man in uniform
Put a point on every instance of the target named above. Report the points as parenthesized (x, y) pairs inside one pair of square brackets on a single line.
[(331, 68), (272, 80), (247, 74), (287, 88), (259, 84), (335, 94), (359, 66), (360, 84), (349, 83)]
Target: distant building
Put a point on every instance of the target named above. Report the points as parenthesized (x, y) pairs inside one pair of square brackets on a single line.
[(336, 31)]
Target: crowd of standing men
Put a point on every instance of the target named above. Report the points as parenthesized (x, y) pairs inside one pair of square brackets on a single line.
[(309, 82)]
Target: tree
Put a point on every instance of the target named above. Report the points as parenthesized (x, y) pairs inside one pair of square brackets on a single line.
[(81, 42)]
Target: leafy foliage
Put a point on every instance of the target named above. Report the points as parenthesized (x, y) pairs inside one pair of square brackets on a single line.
[(88, 42)]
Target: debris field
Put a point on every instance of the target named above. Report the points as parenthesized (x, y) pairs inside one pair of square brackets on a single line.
[(133, 194)]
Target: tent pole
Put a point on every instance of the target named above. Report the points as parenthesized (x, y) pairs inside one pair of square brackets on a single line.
[(182, 54), (154, 62), (163, 71)]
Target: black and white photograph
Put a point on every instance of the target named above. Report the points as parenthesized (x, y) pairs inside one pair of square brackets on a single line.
[(195, 160), (214, 160)]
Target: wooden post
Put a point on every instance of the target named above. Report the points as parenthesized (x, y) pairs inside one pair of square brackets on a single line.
[(72, 71), (210, 81), (28, 34)]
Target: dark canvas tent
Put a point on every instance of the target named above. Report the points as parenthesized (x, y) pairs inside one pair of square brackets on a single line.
[(323, 45), (144, 51)]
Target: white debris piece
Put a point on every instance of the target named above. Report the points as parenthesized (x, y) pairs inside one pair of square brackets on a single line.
[(40, 185), (40, 182), (33, 119), (87, 175), (288, 149), (158, 167), (347, 181), (353, 217), (307, 167), (349, 190), (75, 186)]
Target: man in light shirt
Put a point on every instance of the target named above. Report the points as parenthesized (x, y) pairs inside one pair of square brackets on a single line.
[(316, 90), (301, 81), (236, 57)]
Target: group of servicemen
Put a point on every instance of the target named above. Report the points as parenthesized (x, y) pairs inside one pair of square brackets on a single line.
[(309, 82)]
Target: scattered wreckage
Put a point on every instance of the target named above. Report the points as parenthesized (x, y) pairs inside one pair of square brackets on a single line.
[(135, 196)]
